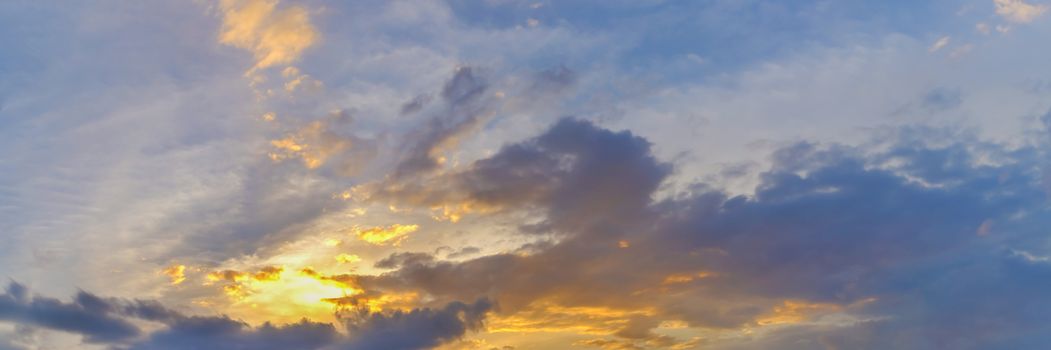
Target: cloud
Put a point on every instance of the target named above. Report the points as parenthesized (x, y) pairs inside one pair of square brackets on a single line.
[(275, 35), (107, 321), (464, 252), (557, 171), (467, 101), (390, 235), (837, 240), (87, 315), (326, 141), (177, 273), (416, 329), (939, 44), (567, 197), (397, 260), (1019, 11), (221, 332)]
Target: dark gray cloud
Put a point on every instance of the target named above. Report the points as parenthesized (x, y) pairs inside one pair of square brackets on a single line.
[(575, 172), (552, 81), (466, 102), (225, 333), (415, 104), (396, 260), (108, 321), (920, 238), (464, 252), (87, 315), (416, 329)]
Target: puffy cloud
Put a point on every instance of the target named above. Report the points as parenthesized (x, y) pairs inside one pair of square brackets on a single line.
[(221, 332), (87, 315), (416, 329), (1019, 11), (107, 321), (557, 171)]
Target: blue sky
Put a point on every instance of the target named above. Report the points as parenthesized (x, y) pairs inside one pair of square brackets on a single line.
[(499, 174)]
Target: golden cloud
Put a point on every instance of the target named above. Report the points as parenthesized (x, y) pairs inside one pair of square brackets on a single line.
[(274, 35), (793, 311), (316, 144), (546, 316), (390, 235), (268, 273), (177, 273), (347, 258)]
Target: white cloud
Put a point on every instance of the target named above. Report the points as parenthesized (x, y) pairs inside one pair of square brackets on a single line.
[(1019, 11), (939, 44)]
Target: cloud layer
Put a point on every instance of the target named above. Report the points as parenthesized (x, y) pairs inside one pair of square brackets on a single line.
[(447, 174)]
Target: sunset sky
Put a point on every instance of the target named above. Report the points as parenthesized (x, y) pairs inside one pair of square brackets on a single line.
[(520, 175)]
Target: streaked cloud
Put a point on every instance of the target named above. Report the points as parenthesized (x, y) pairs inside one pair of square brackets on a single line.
[(939, 44), (389, 235)]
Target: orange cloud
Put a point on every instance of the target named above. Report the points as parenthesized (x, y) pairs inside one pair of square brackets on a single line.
[(316, 144), (274, 35), (792, 312), (177, 273)]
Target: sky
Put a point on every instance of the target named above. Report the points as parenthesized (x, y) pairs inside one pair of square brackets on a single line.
[(517, 175)]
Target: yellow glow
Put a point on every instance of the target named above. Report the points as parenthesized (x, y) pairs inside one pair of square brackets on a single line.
[(393, 234), (390, 301), (624, 244), (332, 242), (225, 275), (285, 296), (347, 258), (793, 312), (673, 325), (177, 274), (684, 278), (550, 317), (288, 144), (313, 144), (453, 212), (268, 273)]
